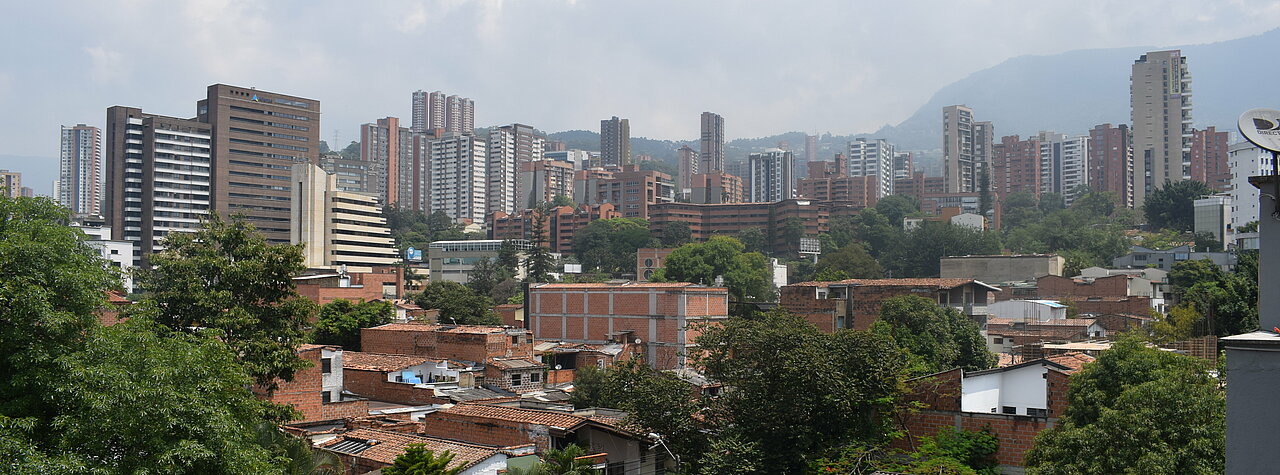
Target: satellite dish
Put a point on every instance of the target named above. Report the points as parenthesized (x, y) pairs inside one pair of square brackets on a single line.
[(637, 341), (557, 366), (1262, 128)]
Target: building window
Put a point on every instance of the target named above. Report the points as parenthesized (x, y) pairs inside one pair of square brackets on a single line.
[(648, 262), (1009, 410), (325, 397), (997, 341), (515, 340), (515, 380), (1034, 412), (535, 377), (326, 365)]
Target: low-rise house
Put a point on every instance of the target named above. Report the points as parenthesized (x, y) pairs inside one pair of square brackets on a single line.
[(366, 450), (317, 392), (471, 343), (1010, 336), (404, 379), (517, 375), (1140, 257), (324, 286), (565, 358), (855, 303), (501, 425), (1015, 403), (1028, 310), (664, 318)]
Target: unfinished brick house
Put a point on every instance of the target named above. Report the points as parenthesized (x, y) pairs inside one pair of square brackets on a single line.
[(1014, 402), (663, 317), (383, 283), (316, 392), (404, 379), (472, 343), (855, 303)]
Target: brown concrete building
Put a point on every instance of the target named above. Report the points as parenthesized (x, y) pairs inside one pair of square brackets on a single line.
[(1111, 161), (1209, 158), (562, 225), (716, 187), (730, 219), (712, 143), (257, 137), (159, 178), (855, 303), (662, 316), (687, 164), (542, 181), (993, 269), (387, 148), (649, 260), (917, 185), (632, 191), (1016, 166), (468, 343), (826, 182)]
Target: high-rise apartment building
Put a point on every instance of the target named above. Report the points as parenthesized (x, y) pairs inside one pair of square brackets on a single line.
[(715, 187), (159, 177), (712, 143), (510, 147), (387, 149), (339, 228), (1111, 161), (457, 187), (959, 163), (771, 176), (257, 138), (438, 111), (984, 135), (1015, 166), (11, 183), (903, 167), (542, 181), (1160, 113), (352, 174), (810, 148), (1064, 164), (615, 142), (872, 158), (688, 164), (1245, 160), (80, 178), (1209, 158)]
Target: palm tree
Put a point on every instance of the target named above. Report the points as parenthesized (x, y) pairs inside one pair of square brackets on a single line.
[(417, 460), (295, 455)]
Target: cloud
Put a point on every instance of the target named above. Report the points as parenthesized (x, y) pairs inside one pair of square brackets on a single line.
[(107, 66)]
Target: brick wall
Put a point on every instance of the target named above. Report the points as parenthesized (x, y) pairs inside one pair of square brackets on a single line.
[(344, 409), (801, 301), (374, 385), (476, 347), (484, 431), (1058, 286), (1129, 305), (303, 393)]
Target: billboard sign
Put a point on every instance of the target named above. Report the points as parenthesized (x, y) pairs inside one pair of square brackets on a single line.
[(412, 254)]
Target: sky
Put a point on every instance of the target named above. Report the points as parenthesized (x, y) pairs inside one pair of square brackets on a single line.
[(767, 67)]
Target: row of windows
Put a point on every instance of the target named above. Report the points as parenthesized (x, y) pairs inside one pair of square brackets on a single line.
[(259, 164), (259, 197), (266, 144), (270, 134), (263, 187), (258, 175), (272, 113), (268, 155), (258, 208), (270, 124), (182, 138)]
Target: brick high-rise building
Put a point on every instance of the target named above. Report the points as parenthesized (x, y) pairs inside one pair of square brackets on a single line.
[(1160, 114), (257, 137), (437, 111), (631, 190), (687, 162), (80, 178), (771, 176), (387, 149), (706, 220), (873, 158), (1209, 158), (959, 163), (615, 142), (1111, 161), (159, 177), (712, 152), (1016, 166), (716, 187), (510, 148), (542, 181)]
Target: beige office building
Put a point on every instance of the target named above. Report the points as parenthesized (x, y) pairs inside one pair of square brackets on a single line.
[(1160, 99), (338, 228)]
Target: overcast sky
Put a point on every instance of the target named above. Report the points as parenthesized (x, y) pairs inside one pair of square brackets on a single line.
[(767, 67)]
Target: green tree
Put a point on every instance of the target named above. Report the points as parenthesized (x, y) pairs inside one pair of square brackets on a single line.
[(351, 151), (830, 274), (508, 257), (986, 201), (936, 338), (568, 461), (918, 254), (1019, 209), (1172, 412), (1096, 204), (676, 233), (341, 320), (457, 304), (1051, 202), (1172, 206), (746, 274), (655, 402), (1207, 242), (839, 388), (792, 232), (295, 455), (562, 200), (609, 245), (227, 278), (538, 262), (754, 240), (417, 460), (485, 275), (896, 207), (853, 261)]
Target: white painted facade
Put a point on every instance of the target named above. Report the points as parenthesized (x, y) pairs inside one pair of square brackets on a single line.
[(119, 253), (331, 382), (1005, 391), (1245, 160), (969, 220), (429, 372), (1028, 310), (873, 158)]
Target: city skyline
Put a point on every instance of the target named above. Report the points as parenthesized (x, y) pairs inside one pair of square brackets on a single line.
[(811, 90)]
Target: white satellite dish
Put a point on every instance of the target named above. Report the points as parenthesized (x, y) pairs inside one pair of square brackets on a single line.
[(1262, 128)]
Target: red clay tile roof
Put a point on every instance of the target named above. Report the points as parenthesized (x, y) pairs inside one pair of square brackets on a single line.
[(116, 298), (390, 445), (309, 347), (528, 416), (431, 327), (516, 363), (1074, 360), (359, 360)]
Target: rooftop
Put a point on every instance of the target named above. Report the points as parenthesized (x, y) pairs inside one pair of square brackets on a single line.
[(1065, 322), (359, 360), (432, 327), (1073, 360), (515, 363), (384, 446), (629, 285), (939, 283), (558, 420)]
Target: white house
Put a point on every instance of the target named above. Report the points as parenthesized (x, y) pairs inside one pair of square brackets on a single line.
[(1028, 310), (118, 253), (970, 220), (1016, 390)]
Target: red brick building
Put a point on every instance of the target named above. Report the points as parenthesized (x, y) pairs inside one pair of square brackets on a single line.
[(919, 186), (384, 283), (661, 316), (716, 187), (381, 377), (366, 450), (649, 260), (630, 190), (1209, 158), (828, 182), (564, 222), (1111, 161), (469, 343), (855, 303), (316, 391), (1015, 166), (730, 219)]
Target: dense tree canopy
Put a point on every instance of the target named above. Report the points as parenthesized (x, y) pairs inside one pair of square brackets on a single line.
[(457, 304), (226, 277), (341, 320), (415, 228), (918, 252), (610, 244), (655, 401), (746, 274), (896, 207), (851, 260), (1171, 411), (1172, 206), (676, 233), (1213, 302), (936, 338)]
